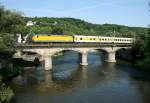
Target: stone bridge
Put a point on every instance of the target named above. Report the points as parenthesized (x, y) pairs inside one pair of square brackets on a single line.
[(46, 53)]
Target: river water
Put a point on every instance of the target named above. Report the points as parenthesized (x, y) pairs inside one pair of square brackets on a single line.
[(68, 82)]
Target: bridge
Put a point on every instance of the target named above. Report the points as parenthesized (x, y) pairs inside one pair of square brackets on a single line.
[(46, 51)]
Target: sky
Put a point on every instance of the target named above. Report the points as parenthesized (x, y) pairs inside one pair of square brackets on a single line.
[(122, 12)]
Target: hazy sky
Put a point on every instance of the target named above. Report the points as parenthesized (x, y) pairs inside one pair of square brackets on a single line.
[(124, 12)]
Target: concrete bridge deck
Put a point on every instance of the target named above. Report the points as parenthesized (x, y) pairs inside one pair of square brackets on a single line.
[(68, 45)]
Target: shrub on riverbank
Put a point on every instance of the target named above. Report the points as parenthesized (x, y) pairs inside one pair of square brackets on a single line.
[(8, 73), (6, 93), (141, 52), (21, 63)]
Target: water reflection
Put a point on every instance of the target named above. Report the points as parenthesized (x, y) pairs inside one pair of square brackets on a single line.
[(70, 83)]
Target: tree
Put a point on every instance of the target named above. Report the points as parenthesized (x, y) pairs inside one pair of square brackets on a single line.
[(57, 30)]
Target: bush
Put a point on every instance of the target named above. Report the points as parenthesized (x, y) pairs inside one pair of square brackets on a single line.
[(6, 93)]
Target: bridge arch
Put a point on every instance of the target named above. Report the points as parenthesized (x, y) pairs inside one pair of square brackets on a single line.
[(66, 49), (81, 51), (101, 50), (124, 53)]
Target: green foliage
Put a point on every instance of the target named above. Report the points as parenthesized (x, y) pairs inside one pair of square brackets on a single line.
[(21, 63), (22, 29), (141, 52), (9, 20), (9, 73), (40, 30), (7, 42), (57, 30), (6, 93)]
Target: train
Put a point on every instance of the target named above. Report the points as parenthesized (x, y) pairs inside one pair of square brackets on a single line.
[(45, 38)]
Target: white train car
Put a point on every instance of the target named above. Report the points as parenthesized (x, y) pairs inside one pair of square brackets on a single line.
[(102, 39), (88, 39), (123, 40)]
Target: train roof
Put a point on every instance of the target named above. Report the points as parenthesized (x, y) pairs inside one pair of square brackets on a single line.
[(102, 36), (80, 36), (51, 34)]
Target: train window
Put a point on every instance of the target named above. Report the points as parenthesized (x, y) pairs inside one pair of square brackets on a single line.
[(37, 36), (80, 38), (94, 39), (90, 38)]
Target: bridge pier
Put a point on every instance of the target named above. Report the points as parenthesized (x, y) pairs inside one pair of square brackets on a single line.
[(47, 62), (111, 57), (18, 54), (84, 59)]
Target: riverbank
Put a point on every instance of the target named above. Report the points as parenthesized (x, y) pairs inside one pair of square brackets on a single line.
[(10, 68)]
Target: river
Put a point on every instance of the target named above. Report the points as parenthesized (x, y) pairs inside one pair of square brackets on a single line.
[(68, 82)]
